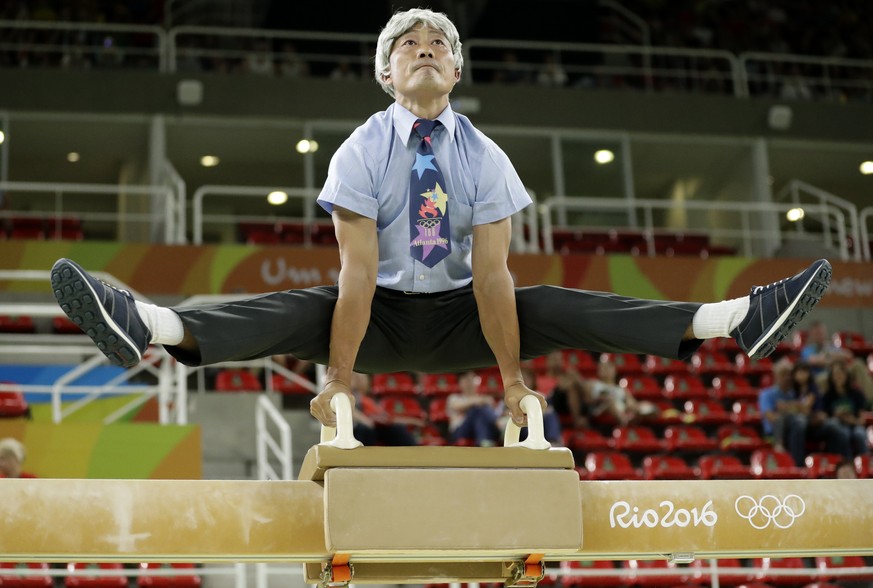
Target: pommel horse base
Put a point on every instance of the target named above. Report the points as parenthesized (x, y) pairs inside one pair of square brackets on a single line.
[(419, 515)]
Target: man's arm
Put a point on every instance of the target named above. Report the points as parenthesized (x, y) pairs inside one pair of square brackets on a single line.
[(495, 298), (359, 263)]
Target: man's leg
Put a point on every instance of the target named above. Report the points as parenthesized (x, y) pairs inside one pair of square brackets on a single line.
[(795, 438), (859, 440), (836, 438)]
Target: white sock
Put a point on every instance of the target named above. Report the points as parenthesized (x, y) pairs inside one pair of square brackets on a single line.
[(718, 319), (165, 325)]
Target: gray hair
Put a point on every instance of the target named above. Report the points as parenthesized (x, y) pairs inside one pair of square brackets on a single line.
[(402, 22), (13, 447)]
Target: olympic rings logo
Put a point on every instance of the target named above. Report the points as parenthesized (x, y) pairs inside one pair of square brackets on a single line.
[(770, 509)]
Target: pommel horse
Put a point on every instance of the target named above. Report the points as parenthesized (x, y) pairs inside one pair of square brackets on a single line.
[(430, 514)]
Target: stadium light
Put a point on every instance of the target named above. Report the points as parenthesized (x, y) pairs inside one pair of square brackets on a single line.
[(276, 198), (604, 156), (209, 161), (2, 137), (72, 157), (307, 146), (795, 214), (867, 168)]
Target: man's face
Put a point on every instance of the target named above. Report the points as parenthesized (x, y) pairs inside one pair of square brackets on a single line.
[(9, 466), (468, 383), (422, 64), (782, 376)]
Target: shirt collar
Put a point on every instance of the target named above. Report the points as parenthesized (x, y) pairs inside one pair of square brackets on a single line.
[(404, 119)]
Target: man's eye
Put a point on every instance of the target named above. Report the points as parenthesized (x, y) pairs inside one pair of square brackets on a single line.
[(408, 42)]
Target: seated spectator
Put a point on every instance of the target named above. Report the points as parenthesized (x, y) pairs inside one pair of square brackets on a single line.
[(784, 414), (472, 415), (373, 424), (565, 389), (551, 422), (510, 71), (844, 402), (551, 73), (606, 396), (260, 61), (819, 352), (12, 455), (343, 71), (290, 63), (820, 427)]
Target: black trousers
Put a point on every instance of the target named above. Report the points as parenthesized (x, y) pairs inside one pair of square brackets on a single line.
[(435, 332)]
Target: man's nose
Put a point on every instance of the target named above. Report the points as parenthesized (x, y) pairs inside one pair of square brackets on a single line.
[(425, 52)]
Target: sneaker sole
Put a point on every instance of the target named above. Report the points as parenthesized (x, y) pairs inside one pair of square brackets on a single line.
[(80, 302), (810, 295)]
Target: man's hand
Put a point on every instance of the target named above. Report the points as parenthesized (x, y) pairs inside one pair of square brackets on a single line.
[(320, 405), (512, 397)]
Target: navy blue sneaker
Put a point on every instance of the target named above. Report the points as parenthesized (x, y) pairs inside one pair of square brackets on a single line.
[(775, 309), (105, 313)]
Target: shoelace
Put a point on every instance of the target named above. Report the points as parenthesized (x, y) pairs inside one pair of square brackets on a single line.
[(759, 289)]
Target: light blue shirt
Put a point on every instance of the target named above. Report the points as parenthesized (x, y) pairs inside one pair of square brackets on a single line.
[(369, 174)]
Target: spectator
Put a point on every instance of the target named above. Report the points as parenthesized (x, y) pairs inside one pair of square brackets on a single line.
[(844, 402), (551, 422), (373, 424), (552, 74), (260, 61), (472, 415), (820, 427), (12, 455), (510, 71), (608, 397), (290, 63), (565, 389), (784, 414), (343, 71), (794, 86), (820, 351)]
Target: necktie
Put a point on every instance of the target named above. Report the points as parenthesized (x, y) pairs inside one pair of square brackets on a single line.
[(428, 202)]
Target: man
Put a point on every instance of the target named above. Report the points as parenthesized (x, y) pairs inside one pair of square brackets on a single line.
[(373, 424), (784, 413), (421, 204), (11, 457), (472, 416)]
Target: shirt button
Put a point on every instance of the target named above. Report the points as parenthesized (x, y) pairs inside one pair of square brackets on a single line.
[(421, 277)]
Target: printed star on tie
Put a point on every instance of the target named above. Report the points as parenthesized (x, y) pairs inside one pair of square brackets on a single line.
[(423, 235), (437, 197), (423, 163)]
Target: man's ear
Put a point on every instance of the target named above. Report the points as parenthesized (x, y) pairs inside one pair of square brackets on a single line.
[(457, 76)]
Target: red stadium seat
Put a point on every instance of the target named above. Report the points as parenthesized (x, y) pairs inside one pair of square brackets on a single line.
[(404, 406), (822, 465), (396, 384), (437, 410), (730, 572), (711, 364), (180, 581), (16, 324), (610, 465), (439, 384), (625, 363), (853, 341), (593, 580), (283, 385), (492, 383), (684, 387), (432, 437), (665, 414), (787, 563), (236, 380), (733, 387), (581, 361), (706, 412), (86, 581), (746, 413), (64, 326), (586, 440), (688, 438), (12, 401), (828, 565), (25, 581), (637, 439), (749, 367), (739, 438), (666, 467), (772, 464), (643, 387), (661, 366), (722, 467), (660, 580), (864, 466)]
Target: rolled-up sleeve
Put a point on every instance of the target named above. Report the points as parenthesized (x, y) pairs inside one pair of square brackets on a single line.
[(350, 181), (500, 192)]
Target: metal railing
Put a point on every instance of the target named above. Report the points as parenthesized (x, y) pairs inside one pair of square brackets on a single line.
[(156, 362), (806, 77), (84, 45), (305, 195), (863, 219), (600, 65), (267, 446), (797, 188), (744, 234), (50, 206)]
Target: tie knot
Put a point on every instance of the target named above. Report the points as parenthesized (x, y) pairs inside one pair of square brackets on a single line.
[(423, 127)]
